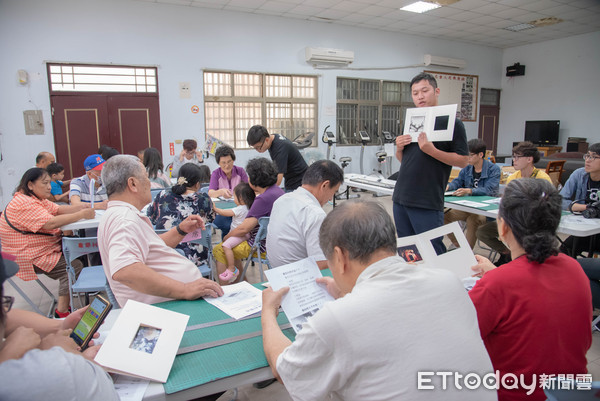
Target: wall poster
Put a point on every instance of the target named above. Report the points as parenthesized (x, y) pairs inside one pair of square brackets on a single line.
[(467, 110)]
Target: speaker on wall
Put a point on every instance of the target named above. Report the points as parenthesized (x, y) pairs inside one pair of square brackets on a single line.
[(515, 70)]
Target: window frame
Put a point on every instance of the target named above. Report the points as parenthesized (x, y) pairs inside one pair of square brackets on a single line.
[(264, 101)]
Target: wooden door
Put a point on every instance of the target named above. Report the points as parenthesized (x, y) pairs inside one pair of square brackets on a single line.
[(84, 122), (80, 126), (134, 123), (489, 112)]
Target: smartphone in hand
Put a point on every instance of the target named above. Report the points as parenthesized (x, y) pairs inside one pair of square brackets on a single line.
[(91, 321)]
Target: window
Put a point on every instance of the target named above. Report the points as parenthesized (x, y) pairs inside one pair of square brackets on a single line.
[(235, 101), (100, 78), (370, 105)]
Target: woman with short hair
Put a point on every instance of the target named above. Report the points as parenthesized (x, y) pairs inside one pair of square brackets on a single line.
[(30, 229), (223, 180), (534, 312)]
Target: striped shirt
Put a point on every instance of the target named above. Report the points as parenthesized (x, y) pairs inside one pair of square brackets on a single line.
[(81, 187), (28, 213)]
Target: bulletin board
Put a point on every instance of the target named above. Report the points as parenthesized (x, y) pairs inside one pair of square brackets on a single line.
[(449, 83)]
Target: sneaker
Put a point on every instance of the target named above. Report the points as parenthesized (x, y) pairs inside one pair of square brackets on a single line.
[(228, 275)]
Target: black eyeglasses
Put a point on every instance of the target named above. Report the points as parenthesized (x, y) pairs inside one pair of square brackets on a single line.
[(259, 148), (7, 302)]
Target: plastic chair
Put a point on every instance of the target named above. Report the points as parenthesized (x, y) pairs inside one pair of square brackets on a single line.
[(91, 278), (208, 268), (53, 302), (555, 169), (154, 192), (255, 254), (53, 299)]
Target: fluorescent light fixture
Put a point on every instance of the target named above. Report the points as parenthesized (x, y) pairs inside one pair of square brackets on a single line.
[(519, 27), (420, 7)]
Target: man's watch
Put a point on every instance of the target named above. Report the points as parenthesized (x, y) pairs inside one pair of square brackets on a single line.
[(180, 231)]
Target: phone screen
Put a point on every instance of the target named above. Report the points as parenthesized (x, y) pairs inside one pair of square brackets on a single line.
[(88, 322)]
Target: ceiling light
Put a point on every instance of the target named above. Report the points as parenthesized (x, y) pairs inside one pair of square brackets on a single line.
[(420, 7), (546, 21), (519, 27)]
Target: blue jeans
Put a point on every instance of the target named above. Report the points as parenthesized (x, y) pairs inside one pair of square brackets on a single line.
[(223, 223), (414, 220)]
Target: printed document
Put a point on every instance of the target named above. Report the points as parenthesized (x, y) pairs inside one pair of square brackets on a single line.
[(305, 297), (239, 300), (436, 121)]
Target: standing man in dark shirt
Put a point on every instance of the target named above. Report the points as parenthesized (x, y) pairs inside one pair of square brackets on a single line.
[(283, 152), (425, 168)]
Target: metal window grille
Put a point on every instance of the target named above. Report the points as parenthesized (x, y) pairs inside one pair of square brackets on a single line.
[(370, 105)]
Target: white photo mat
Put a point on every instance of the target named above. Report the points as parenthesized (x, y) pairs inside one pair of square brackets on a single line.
[(117, 354)]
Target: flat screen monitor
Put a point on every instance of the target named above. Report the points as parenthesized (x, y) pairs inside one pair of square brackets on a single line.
[(542, 132)]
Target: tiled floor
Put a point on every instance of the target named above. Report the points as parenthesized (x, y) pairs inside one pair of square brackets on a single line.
[(276, 391)]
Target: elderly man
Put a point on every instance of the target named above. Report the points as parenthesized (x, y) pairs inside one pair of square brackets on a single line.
[(138, 263), (297, 216), (43, 159), (80, 191), (376, 340)]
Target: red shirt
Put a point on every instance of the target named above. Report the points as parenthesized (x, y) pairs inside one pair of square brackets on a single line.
[(28, 213), (535, 319)]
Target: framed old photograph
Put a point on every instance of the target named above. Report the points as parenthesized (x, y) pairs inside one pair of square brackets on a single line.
[(459, 87)]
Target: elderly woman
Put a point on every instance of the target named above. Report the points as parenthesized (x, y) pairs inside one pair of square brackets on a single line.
[(223, 180), (173, 205), (534, 312), (154, 166), (30, 229), (262, 177), (189, 154)]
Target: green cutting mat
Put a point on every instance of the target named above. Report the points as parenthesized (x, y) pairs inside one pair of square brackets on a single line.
[(200, 367)]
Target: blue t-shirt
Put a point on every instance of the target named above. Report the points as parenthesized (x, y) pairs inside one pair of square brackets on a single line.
[(56, 187)]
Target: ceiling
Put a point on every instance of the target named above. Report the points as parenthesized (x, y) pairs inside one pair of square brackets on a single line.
[(479, 22)]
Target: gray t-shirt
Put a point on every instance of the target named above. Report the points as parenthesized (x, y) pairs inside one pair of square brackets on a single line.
[(54, 375)]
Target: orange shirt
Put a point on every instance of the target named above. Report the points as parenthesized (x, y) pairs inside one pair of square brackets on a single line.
[(28, 213)]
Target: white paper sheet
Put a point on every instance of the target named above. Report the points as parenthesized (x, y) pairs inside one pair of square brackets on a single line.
[(470, 203), (239, 300), (130, 388), (305, 297), (437, 122)]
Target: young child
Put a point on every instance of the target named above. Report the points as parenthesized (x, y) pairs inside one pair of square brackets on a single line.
[(243, 196), (56, 171)]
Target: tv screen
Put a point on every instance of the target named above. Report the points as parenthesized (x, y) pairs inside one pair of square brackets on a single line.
[(542, 132)]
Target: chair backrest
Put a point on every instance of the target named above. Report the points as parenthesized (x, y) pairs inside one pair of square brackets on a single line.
[(263, 224), (204, 189), (74, 247), (155, 191), (555, 169)]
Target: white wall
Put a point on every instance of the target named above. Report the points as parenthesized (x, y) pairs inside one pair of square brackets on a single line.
[(182, 41), (561, 82)]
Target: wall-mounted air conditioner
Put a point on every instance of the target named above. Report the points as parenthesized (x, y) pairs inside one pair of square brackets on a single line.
[(318, 56), (444, 61)]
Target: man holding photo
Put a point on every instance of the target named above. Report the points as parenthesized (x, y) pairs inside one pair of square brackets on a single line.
[(425, 169)]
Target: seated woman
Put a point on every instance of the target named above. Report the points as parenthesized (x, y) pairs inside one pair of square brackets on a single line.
[(189, 154), (171, 206), (534, 312), (262, 178), (223, 180), (30, 229), (154, 167), (31, 344)]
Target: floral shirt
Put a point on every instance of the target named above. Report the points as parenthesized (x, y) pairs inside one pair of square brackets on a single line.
[(169, 209)]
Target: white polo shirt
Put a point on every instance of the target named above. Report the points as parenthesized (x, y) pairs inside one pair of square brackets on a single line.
[(293, 232), (125, 237)]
